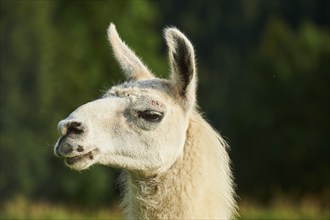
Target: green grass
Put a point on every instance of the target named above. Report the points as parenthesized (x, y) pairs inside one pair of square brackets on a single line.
[(283, 211), (21, 208)]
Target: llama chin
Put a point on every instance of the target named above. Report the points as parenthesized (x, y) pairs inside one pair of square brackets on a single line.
[(176, 165)]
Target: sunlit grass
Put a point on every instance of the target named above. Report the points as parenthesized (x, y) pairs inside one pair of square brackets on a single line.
[(283, 207), (21, 208), (252, 211)]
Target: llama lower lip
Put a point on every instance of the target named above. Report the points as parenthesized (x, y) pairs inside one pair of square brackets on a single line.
[(75, 159)]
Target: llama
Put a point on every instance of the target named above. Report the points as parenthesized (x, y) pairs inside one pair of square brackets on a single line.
[(176, 165)]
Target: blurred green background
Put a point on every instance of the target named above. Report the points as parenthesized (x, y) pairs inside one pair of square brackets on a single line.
[(264, 82)]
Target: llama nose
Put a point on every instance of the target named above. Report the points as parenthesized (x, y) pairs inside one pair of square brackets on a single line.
[(67, 127)]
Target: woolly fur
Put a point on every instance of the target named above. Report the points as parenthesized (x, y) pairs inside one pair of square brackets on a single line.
[(197, 186)]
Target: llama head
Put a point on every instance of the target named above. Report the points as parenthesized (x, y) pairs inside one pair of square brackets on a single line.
[(139, 125)]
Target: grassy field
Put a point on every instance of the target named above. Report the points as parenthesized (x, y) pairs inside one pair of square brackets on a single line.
[(283, 211), (21, 208)]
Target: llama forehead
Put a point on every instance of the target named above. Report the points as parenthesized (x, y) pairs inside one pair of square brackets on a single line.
[(154, 92)]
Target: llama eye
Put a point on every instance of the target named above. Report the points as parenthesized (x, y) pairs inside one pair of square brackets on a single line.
[(151, 115)]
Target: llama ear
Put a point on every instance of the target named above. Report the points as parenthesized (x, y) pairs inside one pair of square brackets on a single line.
[(131, 65), (182, 61)]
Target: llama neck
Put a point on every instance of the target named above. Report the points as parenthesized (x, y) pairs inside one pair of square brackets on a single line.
[(198, 185)]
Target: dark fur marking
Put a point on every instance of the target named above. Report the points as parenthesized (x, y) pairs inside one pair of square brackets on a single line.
[(80, 148)]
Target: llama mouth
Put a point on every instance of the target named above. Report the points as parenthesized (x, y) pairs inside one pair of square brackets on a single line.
[(72, 160)]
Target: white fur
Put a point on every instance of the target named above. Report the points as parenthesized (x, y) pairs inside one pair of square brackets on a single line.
[(177, 168)]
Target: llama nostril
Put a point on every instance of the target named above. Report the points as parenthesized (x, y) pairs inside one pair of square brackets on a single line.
[(74, 128), (66, 127)]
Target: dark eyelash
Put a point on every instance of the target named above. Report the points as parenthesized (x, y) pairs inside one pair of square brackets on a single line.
[(151, 115)]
